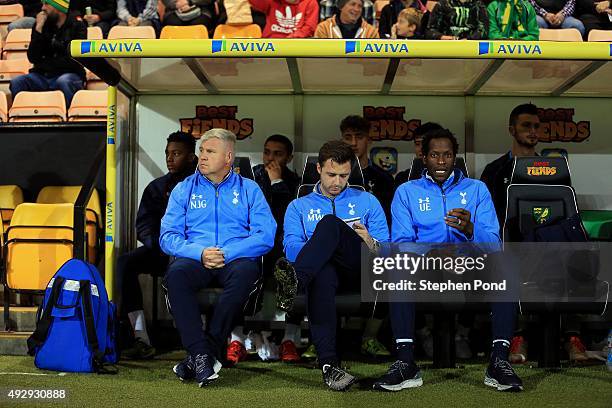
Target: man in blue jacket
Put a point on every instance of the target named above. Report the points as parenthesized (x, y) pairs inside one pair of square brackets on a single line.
[(149, 258), (217, 225), (445, 206), (323, 233)]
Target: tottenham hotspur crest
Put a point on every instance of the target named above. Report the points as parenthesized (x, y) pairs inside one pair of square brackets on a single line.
[(463, 200), (235, 200), (352, 208)]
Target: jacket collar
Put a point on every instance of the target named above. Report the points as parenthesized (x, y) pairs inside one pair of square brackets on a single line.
[(454, 178), (230, 175)]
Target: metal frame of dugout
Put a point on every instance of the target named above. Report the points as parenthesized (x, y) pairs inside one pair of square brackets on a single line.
[(285, 67)]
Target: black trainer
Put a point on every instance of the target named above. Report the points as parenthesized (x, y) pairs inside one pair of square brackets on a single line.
[(501, 375), (286, 284), (400, 376), (206, 369), (336, 378), (185, 370)]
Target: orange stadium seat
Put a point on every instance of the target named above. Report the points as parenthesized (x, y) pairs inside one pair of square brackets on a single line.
[(10, 69), (17, 43), (196, 32), (94, 33), (88, 106), (600, 35), (560, 34), (69, 194), (3, 107), (237, 31), (131, 33), (94, 83), (10, 197), (38, 106), (8, 14), (38, 241)]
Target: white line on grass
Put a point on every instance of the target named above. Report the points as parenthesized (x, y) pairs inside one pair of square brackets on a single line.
[(60, 374)]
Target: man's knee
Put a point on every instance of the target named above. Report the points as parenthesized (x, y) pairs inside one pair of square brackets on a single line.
[(19, 84), (328, 222), (178, 271), (70, 82)]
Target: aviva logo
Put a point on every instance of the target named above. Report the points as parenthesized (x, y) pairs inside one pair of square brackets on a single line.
[(508, 49), (368, 47), (91, 46), (242, 46)]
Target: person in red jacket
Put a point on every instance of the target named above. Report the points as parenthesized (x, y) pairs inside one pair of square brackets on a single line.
[(288, 18)]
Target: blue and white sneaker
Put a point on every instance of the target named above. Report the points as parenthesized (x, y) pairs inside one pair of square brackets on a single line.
[(501, 376), (206, 369), (185, 370), (400, 376)]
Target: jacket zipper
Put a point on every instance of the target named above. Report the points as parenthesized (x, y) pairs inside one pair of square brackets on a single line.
[(445, 211), (216, 216)]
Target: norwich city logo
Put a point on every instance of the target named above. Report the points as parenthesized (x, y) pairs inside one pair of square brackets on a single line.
[(541, 215)]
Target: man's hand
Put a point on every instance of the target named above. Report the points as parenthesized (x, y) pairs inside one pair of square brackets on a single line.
[(363, 233), (448, 37), (551, 19), (41, 18), (460, 219), (182, 5), (275, 172), (213, 258), (559, 18), (602, 6), (91, 18), (133, 21)]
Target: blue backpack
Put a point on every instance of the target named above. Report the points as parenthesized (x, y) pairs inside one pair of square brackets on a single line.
[(76, 329)]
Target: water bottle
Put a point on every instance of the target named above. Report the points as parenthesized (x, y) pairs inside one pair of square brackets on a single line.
[(609, 360)]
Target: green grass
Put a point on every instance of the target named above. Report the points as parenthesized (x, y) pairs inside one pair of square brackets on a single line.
[(277, 385)]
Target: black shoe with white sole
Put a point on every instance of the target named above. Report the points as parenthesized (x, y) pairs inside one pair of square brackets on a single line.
[(206, 369), (501, 375), (336, 378), (185, 370), (400, 376)]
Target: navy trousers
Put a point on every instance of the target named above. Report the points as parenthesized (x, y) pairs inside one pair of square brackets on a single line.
[(186, 277)]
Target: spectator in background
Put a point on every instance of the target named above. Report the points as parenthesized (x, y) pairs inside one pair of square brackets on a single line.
[(30, 9), (557, 14), (347, 22), (390, 13), (288, 18), (134, 13), (458, 20), (149, 259), (102, 13), (595, 15), (53, 68), (419, 133), (408, 26), (189, 12), (512, 20), (328, 8)]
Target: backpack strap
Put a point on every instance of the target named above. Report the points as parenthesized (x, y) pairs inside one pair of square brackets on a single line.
[(90, 327), (42, 326)]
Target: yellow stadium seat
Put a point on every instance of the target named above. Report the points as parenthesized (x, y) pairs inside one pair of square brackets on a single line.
[(38, 242), (10, 13), (560, 34), (88, 106), (193, 32), (38, 106), (17, 43), (94, 33), (69, 194), (3, 107), (10, 69), (10, 197), (237, 31), (600, 35), (131, 33), (94, 83)]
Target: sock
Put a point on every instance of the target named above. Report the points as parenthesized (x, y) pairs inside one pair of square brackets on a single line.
[(238, 335), (292, 333), (501, 349), (405, 350), (371, 328), (137, 320)]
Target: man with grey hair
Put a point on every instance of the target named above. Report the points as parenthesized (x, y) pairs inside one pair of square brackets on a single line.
[(216, 225)]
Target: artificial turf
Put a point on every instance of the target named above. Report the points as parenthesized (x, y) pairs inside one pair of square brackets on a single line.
[(277, 385)]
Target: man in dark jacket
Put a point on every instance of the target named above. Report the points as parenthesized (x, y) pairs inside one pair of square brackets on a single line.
[(102, 13), (389, 13), (149, 258), (458, 20), (53, 68)]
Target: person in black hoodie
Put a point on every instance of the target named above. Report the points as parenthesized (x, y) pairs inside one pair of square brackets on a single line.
[(149, 259), (48, 52), (102, 13), (389, 14)]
